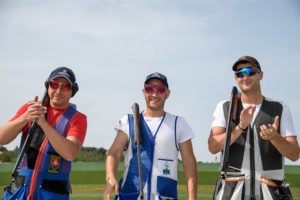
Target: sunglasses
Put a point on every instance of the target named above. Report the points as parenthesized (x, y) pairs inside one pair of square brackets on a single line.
[(250, 71), (151, 88), (63, 86)]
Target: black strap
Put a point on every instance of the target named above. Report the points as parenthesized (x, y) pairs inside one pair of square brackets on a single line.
[(57, 186), (252, 164)]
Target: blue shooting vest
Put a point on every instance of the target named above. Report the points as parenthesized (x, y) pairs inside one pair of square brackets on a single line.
[(51, 172), (129, 183)]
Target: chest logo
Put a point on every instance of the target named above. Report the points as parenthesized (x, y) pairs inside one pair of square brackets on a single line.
[(55, 163), (166, 169)]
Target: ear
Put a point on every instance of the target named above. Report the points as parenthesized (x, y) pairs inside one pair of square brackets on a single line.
[(144, 92), (235, 78), (168, 94), (261, 75)]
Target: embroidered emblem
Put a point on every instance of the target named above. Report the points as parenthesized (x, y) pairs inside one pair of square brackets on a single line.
[(55, 162), (166, 170)]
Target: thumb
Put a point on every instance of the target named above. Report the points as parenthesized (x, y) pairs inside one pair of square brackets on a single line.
[(116, 189), (35, 98), (276, 122)]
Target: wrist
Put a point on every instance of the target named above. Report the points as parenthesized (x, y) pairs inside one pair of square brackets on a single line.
[(276, 138), (108, 178), (241, 128)]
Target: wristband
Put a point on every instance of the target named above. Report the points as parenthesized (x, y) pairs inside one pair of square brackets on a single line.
[(242, 129)]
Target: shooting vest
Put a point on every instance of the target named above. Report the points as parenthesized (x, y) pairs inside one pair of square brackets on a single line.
[(260, 173), (44, 173), (159, 157)]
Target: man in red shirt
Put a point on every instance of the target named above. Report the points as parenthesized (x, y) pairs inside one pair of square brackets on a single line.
[(56, 141)]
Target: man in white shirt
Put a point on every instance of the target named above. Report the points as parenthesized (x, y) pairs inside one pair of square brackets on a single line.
[(163, 136), (266, 122)]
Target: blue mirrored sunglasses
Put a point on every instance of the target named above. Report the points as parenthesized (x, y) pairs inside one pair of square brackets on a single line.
[(247, 70)]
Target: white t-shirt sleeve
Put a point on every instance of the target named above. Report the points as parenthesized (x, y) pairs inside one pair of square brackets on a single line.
[(183, 131), (123, 125), (218, 116), (286, 122)]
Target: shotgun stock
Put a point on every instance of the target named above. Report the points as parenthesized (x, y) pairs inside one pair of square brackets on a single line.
[(31, 131), (138, 141), (229, 126)]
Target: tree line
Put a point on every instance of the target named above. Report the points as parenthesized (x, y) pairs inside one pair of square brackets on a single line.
[(86, 154)]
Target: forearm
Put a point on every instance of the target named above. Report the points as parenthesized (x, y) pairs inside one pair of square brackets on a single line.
[(289, 149), (65, 147), (112, 162), (10, 131), (190, 168), (216, 141), (190, 173), (111, 166)]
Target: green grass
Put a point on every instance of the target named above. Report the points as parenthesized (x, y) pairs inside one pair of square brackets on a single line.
[(95, 191), (88, 180)]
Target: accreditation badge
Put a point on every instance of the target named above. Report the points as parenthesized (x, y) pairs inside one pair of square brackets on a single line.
[(55, 162), (166, 167)]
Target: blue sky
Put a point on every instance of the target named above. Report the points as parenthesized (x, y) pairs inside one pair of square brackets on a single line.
[(113, 45)]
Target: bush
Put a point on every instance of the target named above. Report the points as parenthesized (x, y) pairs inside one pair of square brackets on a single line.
[(9, 156)]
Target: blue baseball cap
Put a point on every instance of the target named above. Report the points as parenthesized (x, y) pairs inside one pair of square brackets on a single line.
[(157, 75), (63, 72)]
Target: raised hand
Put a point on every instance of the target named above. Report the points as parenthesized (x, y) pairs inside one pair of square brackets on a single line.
[(270, 131), (35, 111), (111, 184), (246, 116)]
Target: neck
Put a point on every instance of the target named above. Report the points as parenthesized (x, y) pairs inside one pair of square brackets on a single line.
[(253, 98), (59, 106), (154, 113)]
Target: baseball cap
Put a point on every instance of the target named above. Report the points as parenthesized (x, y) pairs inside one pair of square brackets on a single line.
[(159, 76), (246, 59), (63, 72)]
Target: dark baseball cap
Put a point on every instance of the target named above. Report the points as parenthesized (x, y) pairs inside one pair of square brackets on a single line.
[(244, 59), (63, 72), (157, 75)]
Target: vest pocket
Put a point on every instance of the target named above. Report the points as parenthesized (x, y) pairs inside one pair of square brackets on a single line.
[(275, 189), (166, 188), (48, 195), (19, 194), (56, 186)]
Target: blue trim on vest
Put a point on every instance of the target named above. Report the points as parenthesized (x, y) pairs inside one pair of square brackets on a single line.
[(131, 185), (176, 133), (129, 135), (152, 150), (130, 188)]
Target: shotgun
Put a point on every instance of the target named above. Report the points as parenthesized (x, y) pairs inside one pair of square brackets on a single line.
[(25, 147), (138, 141), (232, 112)]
